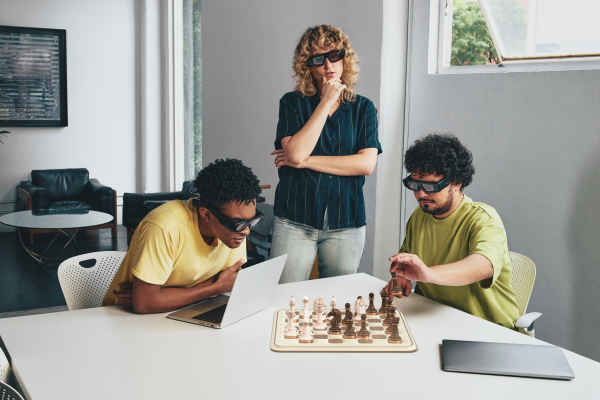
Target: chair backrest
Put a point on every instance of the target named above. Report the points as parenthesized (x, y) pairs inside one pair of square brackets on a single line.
[(4, 367), (7, 392), (61, 183), (523, 278), (85, 287)]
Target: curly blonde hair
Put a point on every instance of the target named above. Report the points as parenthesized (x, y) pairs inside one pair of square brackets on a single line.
[(324, 37)]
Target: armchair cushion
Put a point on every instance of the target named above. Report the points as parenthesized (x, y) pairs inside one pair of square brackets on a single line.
[(61, 183), (64, 207)]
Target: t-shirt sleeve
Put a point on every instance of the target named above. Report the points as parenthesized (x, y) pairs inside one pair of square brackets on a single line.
[(289, 120), (488, 238), (368, 132), (152, 254)]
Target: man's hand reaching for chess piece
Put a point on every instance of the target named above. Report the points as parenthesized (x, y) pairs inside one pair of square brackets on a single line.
[(400, 288)]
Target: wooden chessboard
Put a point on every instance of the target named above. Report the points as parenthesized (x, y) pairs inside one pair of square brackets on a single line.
[(324, 342)]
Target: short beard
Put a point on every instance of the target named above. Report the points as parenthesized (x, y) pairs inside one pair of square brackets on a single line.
[(444, 208)]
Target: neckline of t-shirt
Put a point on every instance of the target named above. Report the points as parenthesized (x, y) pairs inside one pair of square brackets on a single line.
[(463, 203)]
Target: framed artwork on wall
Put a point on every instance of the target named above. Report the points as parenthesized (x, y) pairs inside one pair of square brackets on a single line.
[(33, 76)]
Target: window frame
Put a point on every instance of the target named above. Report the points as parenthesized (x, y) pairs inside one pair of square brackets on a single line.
[(440, 44)]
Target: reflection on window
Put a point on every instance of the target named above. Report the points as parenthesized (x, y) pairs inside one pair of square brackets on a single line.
[(192, 90), (534, 29), (471, 41)]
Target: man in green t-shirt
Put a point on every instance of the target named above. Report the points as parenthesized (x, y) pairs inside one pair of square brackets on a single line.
[(455, 248)]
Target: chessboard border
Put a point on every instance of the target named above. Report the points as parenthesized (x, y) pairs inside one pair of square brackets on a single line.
[(389, 348)]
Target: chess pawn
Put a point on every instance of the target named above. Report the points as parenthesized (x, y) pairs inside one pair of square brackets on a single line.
[(292, 304), (384, 303), (395, 337), (348, 315), (363, 333), (371, 310), (350, 333), (290, 329)]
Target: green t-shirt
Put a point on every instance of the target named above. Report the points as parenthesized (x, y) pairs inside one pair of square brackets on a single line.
[(473, 228)]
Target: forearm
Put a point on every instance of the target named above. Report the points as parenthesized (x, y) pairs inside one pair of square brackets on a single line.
[(350, 165), (471, 269), (164, 299), (301, 144)]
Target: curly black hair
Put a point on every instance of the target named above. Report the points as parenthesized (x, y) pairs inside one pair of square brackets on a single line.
[(226, 180), (441, 154)]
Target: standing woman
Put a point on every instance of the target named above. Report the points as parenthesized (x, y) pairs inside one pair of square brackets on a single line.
[(326, 143)]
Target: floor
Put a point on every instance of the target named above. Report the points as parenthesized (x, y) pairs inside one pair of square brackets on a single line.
[(27, 287)]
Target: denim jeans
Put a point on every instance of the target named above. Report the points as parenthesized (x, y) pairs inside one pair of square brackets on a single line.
[(339, 250)]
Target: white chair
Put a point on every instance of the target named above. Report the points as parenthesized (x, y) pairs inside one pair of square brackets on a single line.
[(523, 278), (85, 287)]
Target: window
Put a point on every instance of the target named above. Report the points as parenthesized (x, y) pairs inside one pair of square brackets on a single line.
[(513, 35), (192, 88)]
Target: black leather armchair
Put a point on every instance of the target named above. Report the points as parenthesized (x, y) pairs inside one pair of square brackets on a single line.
[(65, 191), (137, 205)]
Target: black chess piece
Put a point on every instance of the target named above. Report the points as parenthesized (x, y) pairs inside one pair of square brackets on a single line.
[(371, 310), (363, 333), (336, 317), (347, 315), (395, 337), (384, 302), (350, 333)]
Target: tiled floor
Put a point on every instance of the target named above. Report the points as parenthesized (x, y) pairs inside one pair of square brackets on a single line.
[(27, 287)]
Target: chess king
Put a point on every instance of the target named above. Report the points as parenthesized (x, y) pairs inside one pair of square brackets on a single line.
[(455, 248), (185, 251)]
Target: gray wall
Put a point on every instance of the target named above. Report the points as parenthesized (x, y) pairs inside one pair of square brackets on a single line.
[(535, 139), (247, 56)]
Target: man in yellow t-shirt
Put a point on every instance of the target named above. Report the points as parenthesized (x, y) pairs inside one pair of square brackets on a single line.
[(456, 249), (185, 251)]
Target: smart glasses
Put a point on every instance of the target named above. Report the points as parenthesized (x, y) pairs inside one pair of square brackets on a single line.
[(427, 187), (319, 59), (235, 224)]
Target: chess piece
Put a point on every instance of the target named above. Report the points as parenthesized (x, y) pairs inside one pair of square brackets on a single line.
[(350, 333), (359, 307), (348, 315), (395, 337), (292, 304), (395, 287), (395, 321), (389, 317), (290, 329), (319, 321), (305, 312), (363, 333), (332, 304), (371, 310), (336, 316), (306, 335), (384, 303)]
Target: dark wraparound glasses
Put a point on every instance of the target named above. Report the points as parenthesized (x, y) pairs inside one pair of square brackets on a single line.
[(319, 59), (428, 187), (235, 224)]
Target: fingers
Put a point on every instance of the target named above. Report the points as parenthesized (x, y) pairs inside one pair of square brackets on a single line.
[(238, 265), (277, 152)]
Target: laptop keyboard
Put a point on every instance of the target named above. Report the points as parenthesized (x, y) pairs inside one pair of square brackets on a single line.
[(215, 315)]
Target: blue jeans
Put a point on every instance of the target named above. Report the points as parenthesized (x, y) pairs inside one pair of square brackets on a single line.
[(339, 250)]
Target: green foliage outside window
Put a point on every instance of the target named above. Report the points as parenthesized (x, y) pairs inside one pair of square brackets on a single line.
[(471, 41)]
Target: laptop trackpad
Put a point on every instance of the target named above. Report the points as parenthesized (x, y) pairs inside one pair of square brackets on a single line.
[(215, 315)]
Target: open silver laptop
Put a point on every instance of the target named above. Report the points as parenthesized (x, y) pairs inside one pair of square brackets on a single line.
[(252, 292), (534, 361)]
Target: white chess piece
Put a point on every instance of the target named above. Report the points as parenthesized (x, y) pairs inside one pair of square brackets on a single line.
[(305, 331), (332, 303), (357, 308), (319, 321), (292, 304), (290, 329), (305, 312), (362, 307)]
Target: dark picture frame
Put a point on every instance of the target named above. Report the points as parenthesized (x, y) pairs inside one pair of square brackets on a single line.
[(33, 76)]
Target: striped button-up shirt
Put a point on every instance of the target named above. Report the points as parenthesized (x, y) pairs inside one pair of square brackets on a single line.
[(303, 195)]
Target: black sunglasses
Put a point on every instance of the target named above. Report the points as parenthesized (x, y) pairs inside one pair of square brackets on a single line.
[(235, 224), (428, 187), (319, 59)]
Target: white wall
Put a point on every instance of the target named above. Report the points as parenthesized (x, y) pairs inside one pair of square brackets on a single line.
[(247, 50), (535, 138), (101, 95)]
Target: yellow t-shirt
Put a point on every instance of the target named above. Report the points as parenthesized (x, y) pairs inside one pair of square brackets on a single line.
[(473, 228), (167, 249)]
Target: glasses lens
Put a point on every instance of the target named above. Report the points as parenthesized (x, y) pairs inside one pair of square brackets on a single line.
[(336, 55), (315, 61), (429, 187), (412, 185)]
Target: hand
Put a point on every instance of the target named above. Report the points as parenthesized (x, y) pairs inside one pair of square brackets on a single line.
[(226, 278), (409, 266), (282, 160), (331, 90), (404, 287), (124, 294)]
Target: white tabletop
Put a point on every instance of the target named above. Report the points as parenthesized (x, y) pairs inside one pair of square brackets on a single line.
[(26, 219), (109, 353)]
